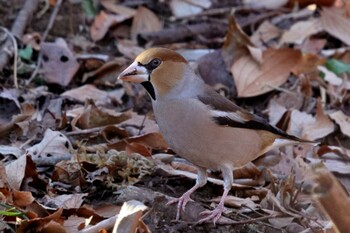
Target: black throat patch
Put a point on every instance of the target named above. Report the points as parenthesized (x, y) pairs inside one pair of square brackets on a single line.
[(149, 88)]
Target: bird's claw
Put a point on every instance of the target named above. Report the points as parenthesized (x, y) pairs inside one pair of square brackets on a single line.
[(181, 203), (212, 215)]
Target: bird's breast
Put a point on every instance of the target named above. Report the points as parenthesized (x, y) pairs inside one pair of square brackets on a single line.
[(187, 126)]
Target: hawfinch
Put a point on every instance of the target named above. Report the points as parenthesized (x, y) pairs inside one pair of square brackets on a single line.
[(199, 124)]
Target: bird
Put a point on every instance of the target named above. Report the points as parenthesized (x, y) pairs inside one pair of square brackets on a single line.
[(199, 124)]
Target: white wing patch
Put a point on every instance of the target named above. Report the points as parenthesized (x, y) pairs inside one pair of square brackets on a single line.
[(232, 115)]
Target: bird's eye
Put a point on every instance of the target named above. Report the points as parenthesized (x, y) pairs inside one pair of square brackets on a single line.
[(155, 62)]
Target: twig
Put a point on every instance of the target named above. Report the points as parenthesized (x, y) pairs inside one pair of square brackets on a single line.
[(84, 131), (15, 56), (48, 28), (18, 27)]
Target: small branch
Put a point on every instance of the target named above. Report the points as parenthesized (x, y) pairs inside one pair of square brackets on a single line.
[(184, 33), (48, 28), (18, 27), (15, 57)]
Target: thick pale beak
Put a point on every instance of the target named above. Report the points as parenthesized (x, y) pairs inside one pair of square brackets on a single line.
[(134, 73)]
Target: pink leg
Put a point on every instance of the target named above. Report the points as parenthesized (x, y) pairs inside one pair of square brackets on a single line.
[(217, 212), (182, 201)]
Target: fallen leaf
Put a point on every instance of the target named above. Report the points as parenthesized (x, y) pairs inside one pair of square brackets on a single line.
[(102, 22), (267, 4), (10, 150), (332, 197), (153, 140), (54, 147), (66, 201), (238, 202), (117, 8), (144, 21), (93, 116), (16, 171), (129, 218), (342, 120), (320, 128), (333, 79), (38, 224), (89, 91), (301, 31), (21, 198), (253, 79), (308, 64), (298, 121), (105, 74), (312, 45), (139, 148), (281, 222), (129, 49), (236, 43), (184, 8), (335, 166), (59, 63), (336, 23), (265, 32)]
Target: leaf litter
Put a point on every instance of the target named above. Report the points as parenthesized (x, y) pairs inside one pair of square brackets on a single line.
[(81, 152)]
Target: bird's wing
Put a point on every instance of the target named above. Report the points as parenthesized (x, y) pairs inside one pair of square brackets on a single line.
[(226, 113)]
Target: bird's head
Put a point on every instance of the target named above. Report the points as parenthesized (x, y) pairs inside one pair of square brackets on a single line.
[(159, 70)]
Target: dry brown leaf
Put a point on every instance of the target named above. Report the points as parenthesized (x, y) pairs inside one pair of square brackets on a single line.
[(301, 31), (332, 198), (21, 198), (140, 124), (39, 224), (94, 116), (111, 133), (100, 97), (281, 222), (67, 201), (33, 39), (298, 121), (308, 64), (139, 148), (313, 46), (103, 22), (129, 218), (152, 140), (333, 79), (288, 165), (118, 9), (332, 152), (265, 32), (266, 4), (322, 127), (335, 166), (238, 202), (15, 172), (54, 147), (252, 79), (59, 63), (305, 3), (342, 120), (184, 8), (10, 150), (128, 48), (236, 43), (336, 23), (105, 74), (144, 21)]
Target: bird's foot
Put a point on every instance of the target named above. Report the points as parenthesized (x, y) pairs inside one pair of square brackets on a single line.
[(212, 214), (181, 203)]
